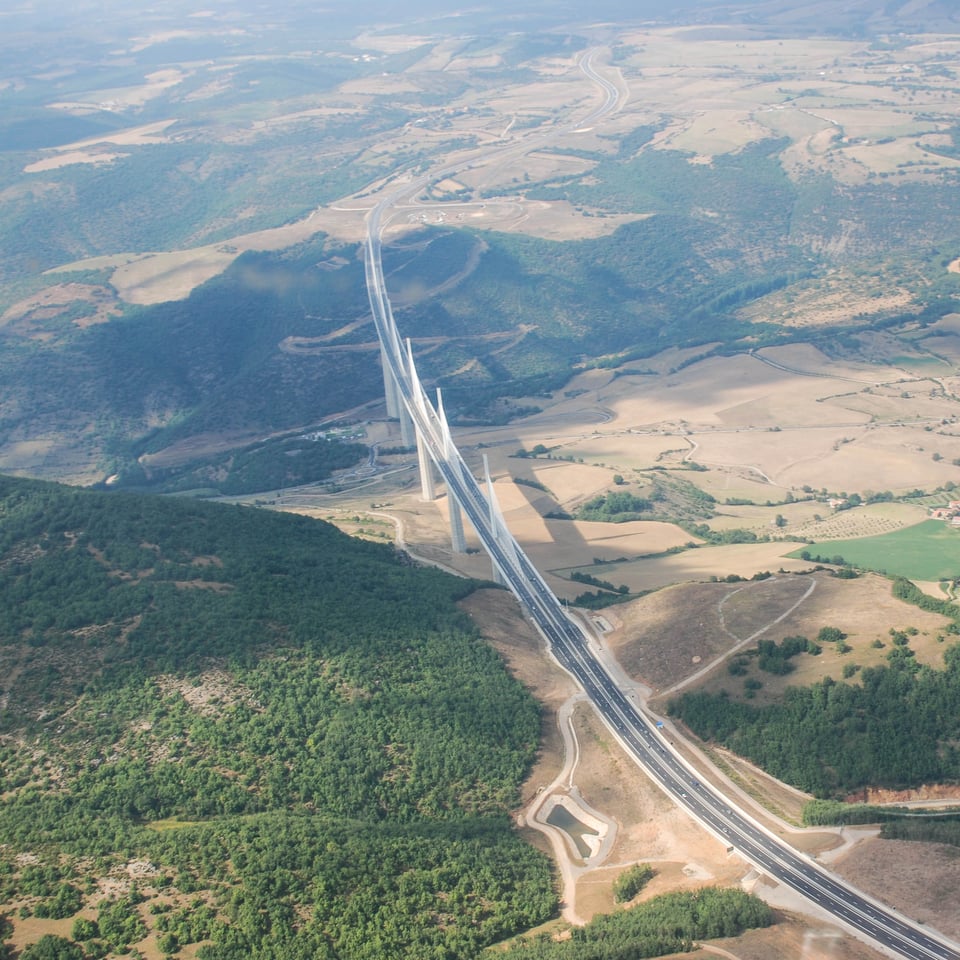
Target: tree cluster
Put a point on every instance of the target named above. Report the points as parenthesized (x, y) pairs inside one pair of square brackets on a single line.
[(631, 882), (617, 506), (775, 657), (667, 924)]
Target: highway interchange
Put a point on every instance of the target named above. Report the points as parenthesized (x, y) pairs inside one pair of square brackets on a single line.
[(568, 643)]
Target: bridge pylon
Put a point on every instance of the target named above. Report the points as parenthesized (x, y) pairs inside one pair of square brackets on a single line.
[(457, 538), (496, 524), (427, 491)]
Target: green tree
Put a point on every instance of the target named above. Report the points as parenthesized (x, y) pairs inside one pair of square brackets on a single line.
[(84, 929), (351, 787), (51, 947), (168, 943), (64, 903), (120, 923)]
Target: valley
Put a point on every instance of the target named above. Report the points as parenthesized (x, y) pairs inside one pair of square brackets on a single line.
[(687, 283)]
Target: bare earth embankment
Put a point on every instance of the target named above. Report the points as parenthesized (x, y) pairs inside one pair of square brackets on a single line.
[(656, 644)]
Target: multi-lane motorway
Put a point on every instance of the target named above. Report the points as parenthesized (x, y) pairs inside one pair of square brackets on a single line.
[(638, 735), (569, 645)]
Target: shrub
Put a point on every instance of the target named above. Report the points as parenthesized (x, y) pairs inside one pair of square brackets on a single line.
[(631, 882)]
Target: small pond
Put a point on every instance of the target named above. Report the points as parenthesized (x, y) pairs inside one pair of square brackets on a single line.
[(564, 820)]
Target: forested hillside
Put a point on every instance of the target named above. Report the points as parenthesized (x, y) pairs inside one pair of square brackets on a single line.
[(897, 727), (226, 726)]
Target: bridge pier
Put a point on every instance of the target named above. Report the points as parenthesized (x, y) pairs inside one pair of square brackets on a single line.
[(395, 405), (457, 540), (427, 491), (408, 435), (390, 390)]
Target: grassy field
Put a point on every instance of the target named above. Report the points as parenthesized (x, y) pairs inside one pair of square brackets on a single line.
[(926, 551)]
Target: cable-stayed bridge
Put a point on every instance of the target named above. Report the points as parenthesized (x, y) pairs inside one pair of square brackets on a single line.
[(425, 424)]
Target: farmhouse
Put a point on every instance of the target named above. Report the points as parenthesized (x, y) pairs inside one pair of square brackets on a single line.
[(950, 513)]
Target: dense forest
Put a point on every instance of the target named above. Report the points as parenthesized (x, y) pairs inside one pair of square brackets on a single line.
[(263, 467), (898, 727), (245, 729)]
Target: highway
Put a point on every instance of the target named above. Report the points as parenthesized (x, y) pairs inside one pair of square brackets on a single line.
[(568, 643)]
